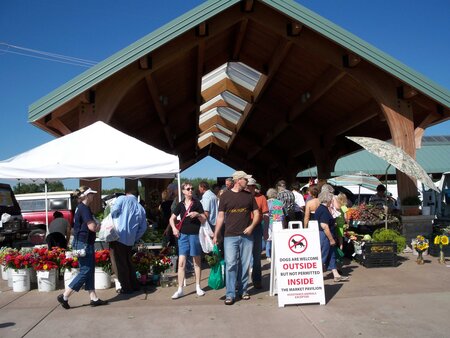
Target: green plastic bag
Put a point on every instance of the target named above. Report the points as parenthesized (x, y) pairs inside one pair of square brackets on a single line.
[(216, 280), (339, 254)]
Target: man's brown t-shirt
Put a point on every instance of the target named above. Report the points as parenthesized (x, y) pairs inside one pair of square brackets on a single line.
[(237, 207)]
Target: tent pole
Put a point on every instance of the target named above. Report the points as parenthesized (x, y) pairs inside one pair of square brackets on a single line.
[(46, 206), (386, 208), (179, 187)]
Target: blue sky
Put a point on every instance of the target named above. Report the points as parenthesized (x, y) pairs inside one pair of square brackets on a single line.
[(416, 33)]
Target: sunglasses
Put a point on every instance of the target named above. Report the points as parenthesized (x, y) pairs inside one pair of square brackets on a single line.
[(188, 189)]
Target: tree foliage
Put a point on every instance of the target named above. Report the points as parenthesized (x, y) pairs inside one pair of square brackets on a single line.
[(22, 188)]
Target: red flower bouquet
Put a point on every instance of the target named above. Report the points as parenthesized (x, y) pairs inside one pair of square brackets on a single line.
[(103, 260), (46, 259), (19, 260), (69, 263), (160, 264)]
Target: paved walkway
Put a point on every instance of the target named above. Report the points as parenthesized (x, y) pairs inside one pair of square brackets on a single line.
[(405, 301)]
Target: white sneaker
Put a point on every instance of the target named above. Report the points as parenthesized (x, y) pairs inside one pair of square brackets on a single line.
[(177, 294), (200, 292)]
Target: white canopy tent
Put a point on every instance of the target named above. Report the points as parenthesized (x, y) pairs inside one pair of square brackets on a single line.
[(96, 151)]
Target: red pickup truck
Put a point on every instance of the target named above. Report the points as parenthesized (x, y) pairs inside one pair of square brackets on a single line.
[(33, 206)]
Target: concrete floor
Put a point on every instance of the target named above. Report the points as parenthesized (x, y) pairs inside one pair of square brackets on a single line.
[(409, 300)]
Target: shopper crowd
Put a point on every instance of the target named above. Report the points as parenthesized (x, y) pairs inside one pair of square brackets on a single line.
[(242, 220)]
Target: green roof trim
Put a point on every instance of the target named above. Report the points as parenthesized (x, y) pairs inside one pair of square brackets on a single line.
[(209, 9)]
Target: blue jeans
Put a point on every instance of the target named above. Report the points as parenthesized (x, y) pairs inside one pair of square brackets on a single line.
[(87, 269), (268, 249), (256, 253), (328, 253), (237, 247)]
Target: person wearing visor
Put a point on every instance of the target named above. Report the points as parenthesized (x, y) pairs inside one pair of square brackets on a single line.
[(84, 232)]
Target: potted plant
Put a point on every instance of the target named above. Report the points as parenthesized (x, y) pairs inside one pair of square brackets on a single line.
[(410, 206), (46, 265), (142, 261), (70, 267), (102, 269), (389, 235), (20, 263)]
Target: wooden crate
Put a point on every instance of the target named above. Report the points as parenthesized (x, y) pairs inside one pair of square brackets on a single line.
[(381, 254)]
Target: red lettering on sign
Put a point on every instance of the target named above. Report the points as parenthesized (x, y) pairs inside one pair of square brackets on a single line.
[(300, 266), (300, 281)]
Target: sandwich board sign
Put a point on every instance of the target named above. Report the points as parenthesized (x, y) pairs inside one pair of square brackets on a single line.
[(298, 265)]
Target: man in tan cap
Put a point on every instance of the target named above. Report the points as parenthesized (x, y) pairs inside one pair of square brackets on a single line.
[(261, 201), (237, 206)]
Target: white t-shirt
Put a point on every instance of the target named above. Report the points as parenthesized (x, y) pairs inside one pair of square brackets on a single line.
[(299, 201)]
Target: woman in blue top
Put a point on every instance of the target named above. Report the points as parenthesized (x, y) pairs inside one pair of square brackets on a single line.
[(327, 231), (84, 232)]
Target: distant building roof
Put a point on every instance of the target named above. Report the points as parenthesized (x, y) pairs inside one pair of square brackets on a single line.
[(434, 157)]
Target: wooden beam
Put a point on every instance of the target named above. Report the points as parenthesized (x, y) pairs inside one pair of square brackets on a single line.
[(351, 60), (294, 28), (420, 129), (156, 99), (406, 92), (277, 59), (239, 39), (325, 82), (247, 5), (321, 86), (58, 125)]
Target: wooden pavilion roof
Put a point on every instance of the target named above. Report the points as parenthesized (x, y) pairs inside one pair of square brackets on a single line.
[(259, 85)]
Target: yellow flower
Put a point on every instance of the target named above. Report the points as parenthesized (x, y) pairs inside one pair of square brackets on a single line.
[(45, 267), (420, 238), (444, 240), (437, 240)]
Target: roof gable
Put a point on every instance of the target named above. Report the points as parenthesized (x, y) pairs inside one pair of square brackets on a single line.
[(203, 12)]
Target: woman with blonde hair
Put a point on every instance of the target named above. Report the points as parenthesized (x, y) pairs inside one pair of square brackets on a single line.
[(340, 203), (327, 234), (84, 233)]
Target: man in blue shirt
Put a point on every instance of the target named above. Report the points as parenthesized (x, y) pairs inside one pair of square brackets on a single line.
[(131, 223), (209, 203)]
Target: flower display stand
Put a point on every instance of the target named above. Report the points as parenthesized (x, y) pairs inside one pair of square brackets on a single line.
[(47, 280), (21, 280), (102, 279), (69, 275)]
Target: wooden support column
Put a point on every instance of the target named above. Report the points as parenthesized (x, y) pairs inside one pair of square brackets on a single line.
[(131, 185), (398, 113), (401, 126)]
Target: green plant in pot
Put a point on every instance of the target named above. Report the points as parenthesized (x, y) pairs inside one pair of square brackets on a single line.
[(410, 205), (411, 200), (389, 235)]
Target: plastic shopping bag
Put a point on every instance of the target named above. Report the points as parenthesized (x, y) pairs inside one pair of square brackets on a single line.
[(108, 231), (205, 235), (216, 278)]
